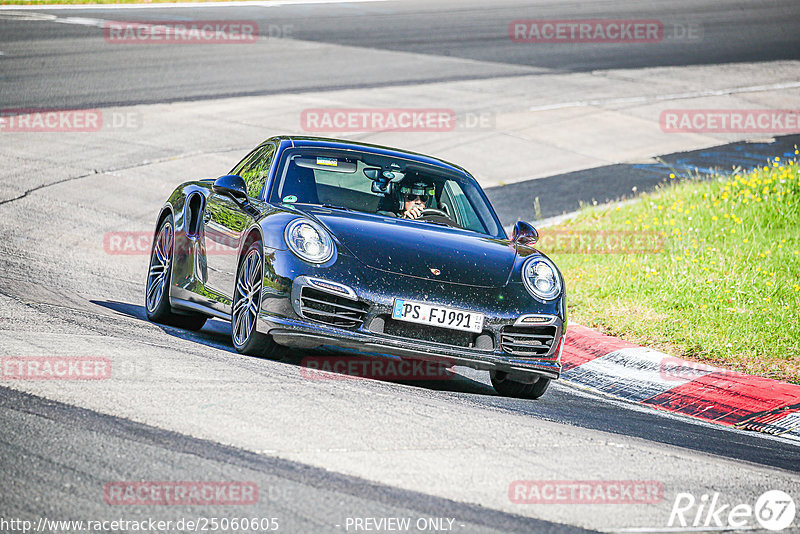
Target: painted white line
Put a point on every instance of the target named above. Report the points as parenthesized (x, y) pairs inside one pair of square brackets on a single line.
[(673, 96), (590, 393), (193, 5), (81, 21), (787, 426), (84, 21), (682, 529), (634, 373), (4, 15)]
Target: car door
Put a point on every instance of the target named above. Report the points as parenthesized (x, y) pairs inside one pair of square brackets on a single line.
[(226, 222)]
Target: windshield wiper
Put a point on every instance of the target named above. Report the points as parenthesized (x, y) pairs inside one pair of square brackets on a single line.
[(333, 206)]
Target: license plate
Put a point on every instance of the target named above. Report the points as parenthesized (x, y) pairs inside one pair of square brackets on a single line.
[(419, 312)]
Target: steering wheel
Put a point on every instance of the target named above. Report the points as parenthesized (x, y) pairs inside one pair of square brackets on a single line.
[(428, 212), (434, 215)]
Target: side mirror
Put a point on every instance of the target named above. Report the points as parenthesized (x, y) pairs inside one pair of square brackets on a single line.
[(232, 186), (524, 234)]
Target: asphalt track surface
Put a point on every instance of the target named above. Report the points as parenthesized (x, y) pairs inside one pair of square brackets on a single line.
[(285, 488), (56, 455), (565, 193), (71, 65)]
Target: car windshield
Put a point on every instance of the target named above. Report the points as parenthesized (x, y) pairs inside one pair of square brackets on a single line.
[(375, 184)]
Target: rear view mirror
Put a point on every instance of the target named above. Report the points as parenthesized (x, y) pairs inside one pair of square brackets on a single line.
[(376, 173), (382, 179), (381, 187)]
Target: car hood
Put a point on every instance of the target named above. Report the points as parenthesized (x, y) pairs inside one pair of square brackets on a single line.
[(422, 250)]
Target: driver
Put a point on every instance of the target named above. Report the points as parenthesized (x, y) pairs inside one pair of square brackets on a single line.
[(415, 195)]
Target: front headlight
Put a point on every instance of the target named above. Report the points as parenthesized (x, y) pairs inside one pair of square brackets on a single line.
[(309, 241), (541, 278)]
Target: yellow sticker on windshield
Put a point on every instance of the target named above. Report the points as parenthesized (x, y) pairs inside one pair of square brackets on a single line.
[(330, 162)]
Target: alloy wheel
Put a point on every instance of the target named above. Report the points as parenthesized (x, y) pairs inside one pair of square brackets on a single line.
[(159, 267), (246, 298)]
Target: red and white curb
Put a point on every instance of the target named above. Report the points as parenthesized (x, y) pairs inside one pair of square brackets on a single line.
[(648, 377)]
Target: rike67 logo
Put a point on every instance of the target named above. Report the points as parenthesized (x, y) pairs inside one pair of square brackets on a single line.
[(773, 510)]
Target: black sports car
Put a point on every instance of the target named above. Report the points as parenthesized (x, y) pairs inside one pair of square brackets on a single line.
[(313, 242)]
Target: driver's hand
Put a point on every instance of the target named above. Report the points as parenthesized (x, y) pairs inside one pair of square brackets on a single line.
[(413, 213)]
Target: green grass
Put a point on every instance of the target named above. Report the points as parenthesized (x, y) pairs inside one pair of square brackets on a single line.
[(725, 287)]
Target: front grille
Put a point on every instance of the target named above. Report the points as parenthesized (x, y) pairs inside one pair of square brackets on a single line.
[(331, 309), (423, 332), (527, 340)]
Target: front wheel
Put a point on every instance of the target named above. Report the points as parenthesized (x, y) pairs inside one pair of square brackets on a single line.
[(521, 390), (156, 301), (247, 304)]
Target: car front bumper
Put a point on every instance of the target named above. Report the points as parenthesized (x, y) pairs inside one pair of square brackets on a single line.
[(289, 326), (303, 336)]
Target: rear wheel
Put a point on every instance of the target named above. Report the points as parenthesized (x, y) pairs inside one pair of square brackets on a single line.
[(513, 388), (158, 282), (247, 304)]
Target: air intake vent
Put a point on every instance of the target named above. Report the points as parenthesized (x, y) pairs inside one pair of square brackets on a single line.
[(527, 340), (331, 309), (429, 333)]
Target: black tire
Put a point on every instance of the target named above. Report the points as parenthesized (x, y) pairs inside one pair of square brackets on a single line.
[(520, 390), (159, 274), (246, 307)]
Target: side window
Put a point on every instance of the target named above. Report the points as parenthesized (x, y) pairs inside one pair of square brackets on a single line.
[(254, 171), (463, 208)]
